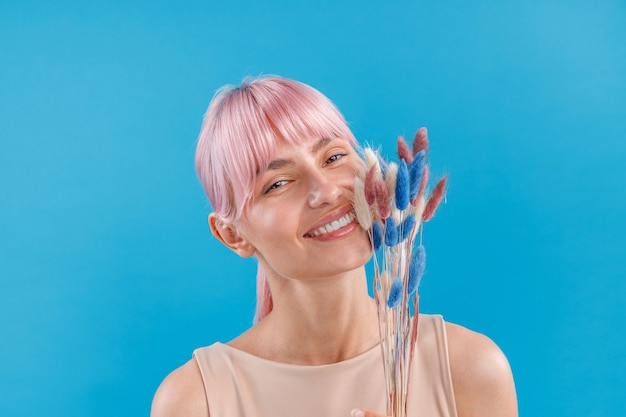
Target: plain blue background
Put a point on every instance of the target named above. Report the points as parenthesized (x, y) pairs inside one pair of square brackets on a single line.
[(110, 278)]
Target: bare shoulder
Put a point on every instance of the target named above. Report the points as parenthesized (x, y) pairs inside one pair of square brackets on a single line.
[(481, 375), (181, 394)]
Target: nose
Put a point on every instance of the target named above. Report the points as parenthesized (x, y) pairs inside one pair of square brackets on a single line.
[(323, 190)]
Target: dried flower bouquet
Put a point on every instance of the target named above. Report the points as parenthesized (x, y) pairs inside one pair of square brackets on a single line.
[(390, 201)]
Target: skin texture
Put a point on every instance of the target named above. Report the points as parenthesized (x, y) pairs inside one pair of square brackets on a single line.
[(300, 192), (482, 379), (322, 311)]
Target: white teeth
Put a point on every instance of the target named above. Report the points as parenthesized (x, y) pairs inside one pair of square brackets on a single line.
[(334, 225)]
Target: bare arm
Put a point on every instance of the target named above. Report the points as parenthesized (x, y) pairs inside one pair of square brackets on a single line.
[(481, 375), (181, 394)]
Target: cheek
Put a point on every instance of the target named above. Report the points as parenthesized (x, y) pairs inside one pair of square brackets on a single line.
[(356, 166), (269, 226)]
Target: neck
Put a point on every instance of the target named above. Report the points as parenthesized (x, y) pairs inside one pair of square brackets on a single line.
[(317, 321)]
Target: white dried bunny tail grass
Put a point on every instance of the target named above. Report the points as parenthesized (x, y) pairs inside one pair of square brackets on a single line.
[(361, 208)]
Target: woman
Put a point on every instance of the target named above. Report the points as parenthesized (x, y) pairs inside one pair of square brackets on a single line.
[(278, 162)]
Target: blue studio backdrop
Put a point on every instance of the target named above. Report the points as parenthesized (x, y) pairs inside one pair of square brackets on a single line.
[(109, 276)]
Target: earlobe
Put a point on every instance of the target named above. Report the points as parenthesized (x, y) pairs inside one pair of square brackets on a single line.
[(227, 234)]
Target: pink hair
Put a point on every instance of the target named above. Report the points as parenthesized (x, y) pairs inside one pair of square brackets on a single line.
[(238, 137)]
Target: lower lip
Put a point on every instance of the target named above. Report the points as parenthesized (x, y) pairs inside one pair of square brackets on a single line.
[(339, 233)]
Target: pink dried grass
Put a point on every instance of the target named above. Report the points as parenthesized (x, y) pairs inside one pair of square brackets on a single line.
[(404, 152), (382, 199), (421, 141), (434, 199), (370, 187)]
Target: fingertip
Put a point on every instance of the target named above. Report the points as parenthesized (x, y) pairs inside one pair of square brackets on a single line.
[(357, 413)]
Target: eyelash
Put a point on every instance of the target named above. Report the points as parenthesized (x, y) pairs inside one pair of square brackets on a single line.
[(339, 155), (333, 158), (274, 186)]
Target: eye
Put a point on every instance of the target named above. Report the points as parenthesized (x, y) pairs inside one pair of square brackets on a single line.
[(274, 186), (335, 158)]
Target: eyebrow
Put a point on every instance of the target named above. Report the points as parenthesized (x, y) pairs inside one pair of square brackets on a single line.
[(319, 145), (281, 163)]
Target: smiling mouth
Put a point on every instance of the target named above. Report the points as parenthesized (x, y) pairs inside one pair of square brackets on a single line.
[(335, 225)]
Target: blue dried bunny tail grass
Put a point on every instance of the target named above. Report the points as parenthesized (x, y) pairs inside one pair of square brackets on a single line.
[(377, 235), (406, 227), (416, 268), (402, 186), (424, 182), (416, 172), (395, 293), (391, 232)]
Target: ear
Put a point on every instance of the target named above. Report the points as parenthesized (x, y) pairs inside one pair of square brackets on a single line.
[(227, 234)]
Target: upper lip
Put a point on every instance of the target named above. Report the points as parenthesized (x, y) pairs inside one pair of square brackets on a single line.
[(332, 216)]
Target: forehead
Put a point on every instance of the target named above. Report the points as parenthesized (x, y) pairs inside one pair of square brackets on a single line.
[(313, 145)]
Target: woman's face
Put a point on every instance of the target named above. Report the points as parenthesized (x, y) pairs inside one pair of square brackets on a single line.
[(300, 220)]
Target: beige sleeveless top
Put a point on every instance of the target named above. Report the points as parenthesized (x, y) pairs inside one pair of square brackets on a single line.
[(239, 384)]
